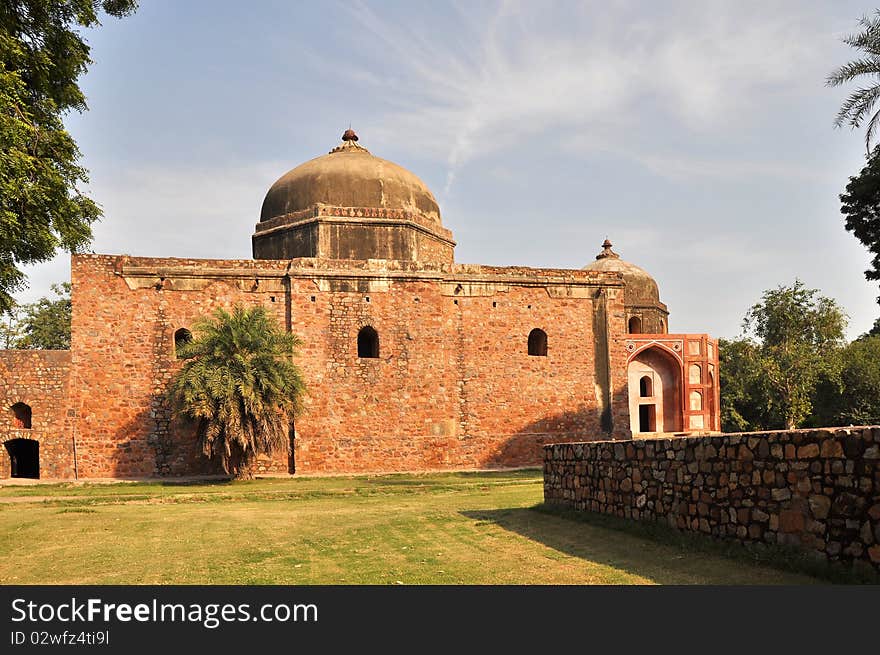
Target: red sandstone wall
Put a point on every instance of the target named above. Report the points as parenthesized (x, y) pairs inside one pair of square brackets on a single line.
[(38, 378), (454, 386), (122, 345)]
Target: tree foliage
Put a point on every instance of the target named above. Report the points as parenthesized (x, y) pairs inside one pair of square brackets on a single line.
[(859, 105), (239, 385), (874, 331), (42, 325), (795, 332), (45, 324), (852, 395), (10, 328), (744, 390), (860, 204), (42, 55), (793, 371)]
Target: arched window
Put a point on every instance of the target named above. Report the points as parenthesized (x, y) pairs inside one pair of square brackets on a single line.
[(646, 387), (538, 343), (662, 326), (181, 338), (21, 416), (635, 325), (368, 343)]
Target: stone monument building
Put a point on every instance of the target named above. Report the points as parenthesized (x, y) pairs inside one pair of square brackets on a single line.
[(413, 362)]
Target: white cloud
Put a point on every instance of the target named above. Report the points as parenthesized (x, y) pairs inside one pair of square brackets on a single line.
[(526, 68)]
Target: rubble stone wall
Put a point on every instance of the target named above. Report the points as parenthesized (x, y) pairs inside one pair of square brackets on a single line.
[(40, 380), (815, 489)]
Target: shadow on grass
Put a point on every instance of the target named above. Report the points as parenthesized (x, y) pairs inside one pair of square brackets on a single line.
[(665, 555), (531, 474)]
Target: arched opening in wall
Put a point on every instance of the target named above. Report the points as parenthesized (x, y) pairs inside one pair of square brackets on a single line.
[(662, 326), (181, 338), (695, 403), (657, 371), (635, 325), (21, 416), (538, 343), (368, 343), (24, 458)]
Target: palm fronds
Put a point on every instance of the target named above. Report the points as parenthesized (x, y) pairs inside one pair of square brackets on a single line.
[(239, 385), (859, 105)]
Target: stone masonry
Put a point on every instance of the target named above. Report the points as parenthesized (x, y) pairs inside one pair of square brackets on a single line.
[(453, 387), (39, 379), (814, 489), (413, 362)]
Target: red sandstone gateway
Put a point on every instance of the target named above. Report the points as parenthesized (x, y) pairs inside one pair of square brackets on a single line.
[(413, 362)]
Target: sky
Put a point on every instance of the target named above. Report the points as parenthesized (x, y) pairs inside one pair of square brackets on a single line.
[(696, 135)]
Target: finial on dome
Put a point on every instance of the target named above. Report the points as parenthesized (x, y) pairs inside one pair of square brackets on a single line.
[(349, 143), (607, 251)]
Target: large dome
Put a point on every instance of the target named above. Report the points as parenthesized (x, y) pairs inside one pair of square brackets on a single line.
[(349, 176), (640, 290)]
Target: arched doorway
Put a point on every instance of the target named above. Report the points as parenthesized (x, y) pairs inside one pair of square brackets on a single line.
[(24, 458), (654, 383)]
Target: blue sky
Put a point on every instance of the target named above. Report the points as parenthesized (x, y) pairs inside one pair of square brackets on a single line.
[(697, 136)]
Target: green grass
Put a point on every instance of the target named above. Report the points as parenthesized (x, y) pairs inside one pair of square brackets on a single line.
[(450, 528)]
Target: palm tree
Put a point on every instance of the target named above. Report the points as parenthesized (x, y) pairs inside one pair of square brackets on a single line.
[(858, 106), (239, 385)]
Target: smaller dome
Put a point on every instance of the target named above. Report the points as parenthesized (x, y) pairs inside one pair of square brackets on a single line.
[(641, 289)]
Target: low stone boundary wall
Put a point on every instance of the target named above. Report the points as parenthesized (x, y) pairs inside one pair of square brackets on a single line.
[(816, 489)]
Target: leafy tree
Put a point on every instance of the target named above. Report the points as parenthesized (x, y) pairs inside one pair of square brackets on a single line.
[(860, 103), (45, 324), (853, 396), (874, 331), (239, 385), (860, 204), (42, 55), (10, 328), (796, 331), (744, 390)]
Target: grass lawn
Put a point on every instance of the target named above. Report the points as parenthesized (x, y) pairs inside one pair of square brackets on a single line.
[(449, 528)]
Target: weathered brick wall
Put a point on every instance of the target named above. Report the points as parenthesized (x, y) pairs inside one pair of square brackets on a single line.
[(817, 489), (453, 387), (38, 378)]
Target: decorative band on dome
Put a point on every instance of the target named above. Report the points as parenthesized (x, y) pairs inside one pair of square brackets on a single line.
[(349, 143)]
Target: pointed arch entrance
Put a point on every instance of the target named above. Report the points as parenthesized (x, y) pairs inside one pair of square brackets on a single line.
[(654, 383)]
